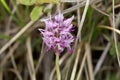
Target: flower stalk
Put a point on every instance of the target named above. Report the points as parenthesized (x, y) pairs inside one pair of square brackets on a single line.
[(57, 36), (57, 67)]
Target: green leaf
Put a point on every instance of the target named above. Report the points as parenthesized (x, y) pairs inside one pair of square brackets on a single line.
[(27, 2), (48, 1), (36, 13)]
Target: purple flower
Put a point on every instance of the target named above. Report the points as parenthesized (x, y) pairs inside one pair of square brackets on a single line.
[(57, 34)]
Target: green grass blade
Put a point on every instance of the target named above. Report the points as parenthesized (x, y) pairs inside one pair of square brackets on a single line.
[(6, 6)]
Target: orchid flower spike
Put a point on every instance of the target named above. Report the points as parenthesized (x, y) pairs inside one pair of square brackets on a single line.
[(56, 34)]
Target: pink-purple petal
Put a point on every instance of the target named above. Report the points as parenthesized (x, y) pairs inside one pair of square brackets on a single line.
[(59, 17), (68, 21)]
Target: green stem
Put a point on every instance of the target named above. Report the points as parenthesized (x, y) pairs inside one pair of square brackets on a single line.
[(57, 67)]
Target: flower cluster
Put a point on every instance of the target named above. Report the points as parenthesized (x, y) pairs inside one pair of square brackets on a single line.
[(56, 34)]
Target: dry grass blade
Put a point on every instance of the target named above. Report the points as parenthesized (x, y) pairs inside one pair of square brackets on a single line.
[(82, 63), (30, 59), (16, 73), (15, 68), (76, 63), (66, 10), (81, 4), (10, 20), (82, 21), (104, 13), (9, 54), (89, 62), (102, 58), (40, 58), (114, 34), (110, 28), (16, 37), (1, 75), (68, 67), (78, 18), (12, 49), (116, 47), (86, 72)]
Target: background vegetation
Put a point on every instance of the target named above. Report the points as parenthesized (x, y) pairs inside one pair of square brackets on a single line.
[(24, 56)]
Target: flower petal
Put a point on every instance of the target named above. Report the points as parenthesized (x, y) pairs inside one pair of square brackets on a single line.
[(67, 22), (60, 48), (49, 23), (59, 17)]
